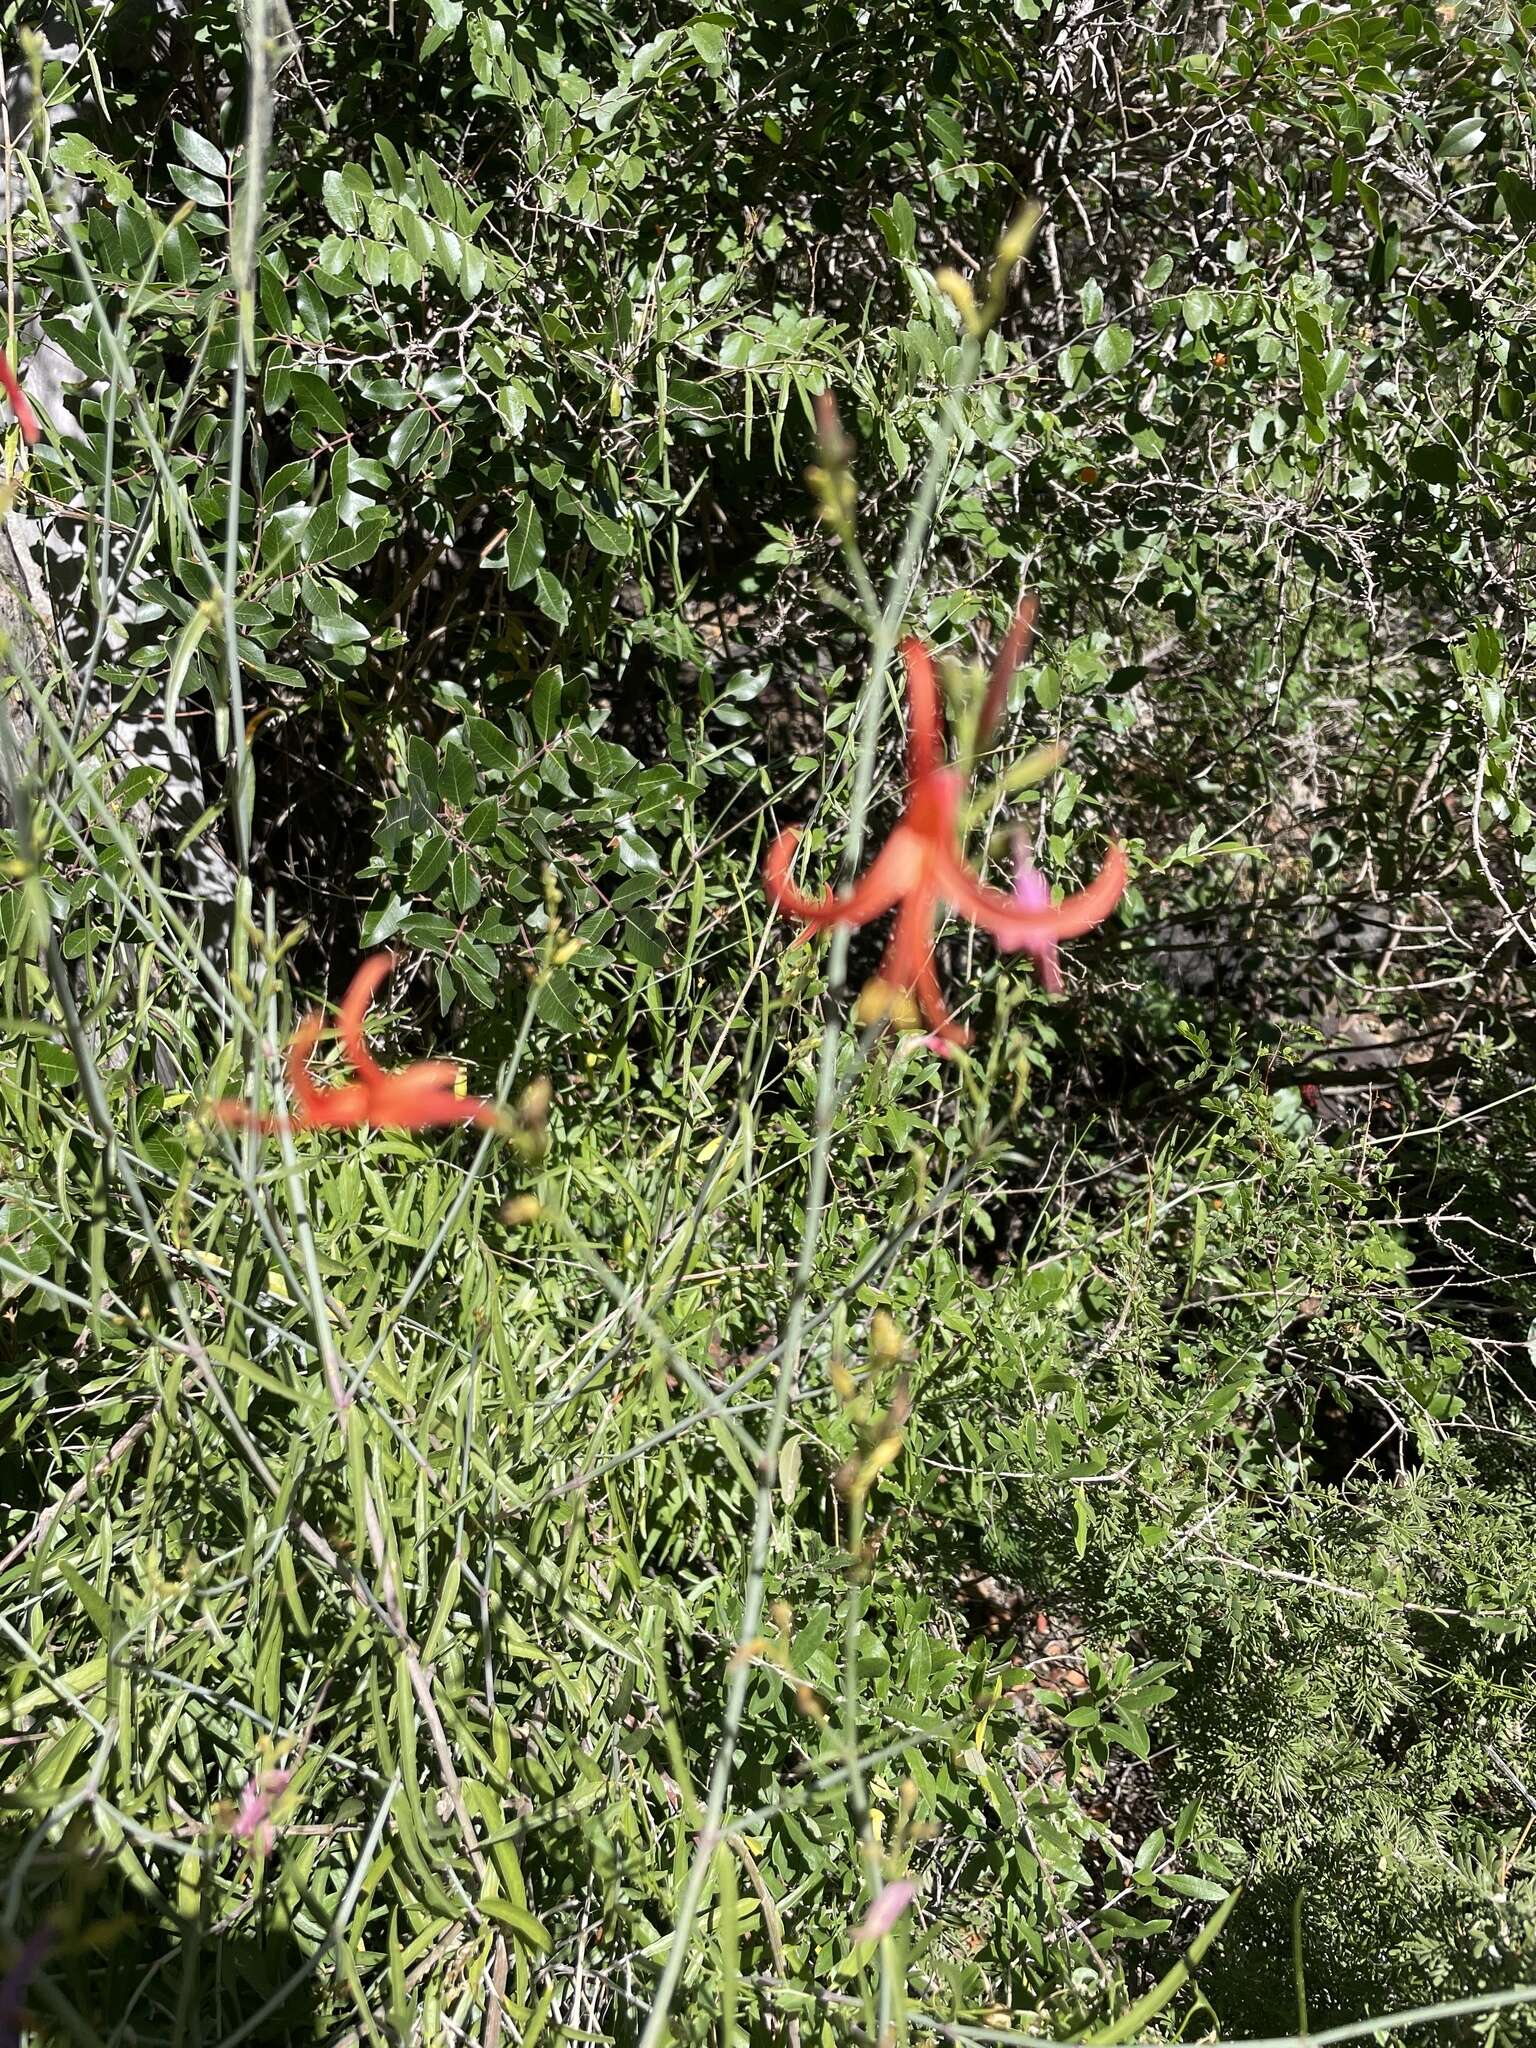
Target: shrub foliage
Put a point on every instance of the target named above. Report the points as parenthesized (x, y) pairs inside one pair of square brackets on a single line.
[(546, 1588)]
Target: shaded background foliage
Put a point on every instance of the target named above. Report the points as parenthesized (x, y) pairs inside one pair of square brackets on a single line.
[(1215, 1281)]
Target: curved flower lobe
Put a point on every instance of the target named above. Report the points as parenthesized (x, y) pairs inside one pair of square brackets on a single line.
[(413, 1098)]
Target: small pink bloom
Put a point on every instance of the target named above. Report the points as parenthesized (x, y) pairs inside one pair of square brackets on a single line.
[(887, 1909), (1031, 891), (253, 1821)]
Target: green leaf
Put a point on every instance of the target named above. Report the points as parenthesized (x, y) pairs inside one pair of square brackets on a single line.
[(545, 704), (315, 398), (1069, 364), (336, 629), (1114, 348), (456, 777), (137, 784), (946, 131), (1130, 1735), (407, 436), (180, 255), (433, 857), (1188, 1886), (394, 168), (1151, 1851), (687, 396), (1462, 138), (380, 925), (187, 642), (605, 534), (341, 202), (558, 1001), (525, 544), (96, 1608), (642, 941), (480, 823), (463, 882), (201, 154), (1519, 197), (81, 156), (551, 597), (1198, 308), (427, 929), (491, 748), (518, 1918), (708, 38), (200, 190)]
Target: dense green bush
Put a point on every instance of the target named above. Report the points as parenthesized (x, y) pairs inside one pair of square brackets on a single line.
[(443, 574)]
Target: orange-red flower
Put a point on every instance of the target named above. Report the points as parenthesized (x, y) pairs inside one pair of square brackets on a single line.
[(921, 867), (412, 1099), (26, 418)]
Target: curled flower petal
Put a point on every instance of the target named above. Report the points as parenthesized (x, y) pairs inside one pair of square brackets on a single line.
[(1010, 654), (892, 874), (925, 740), (352, 1010), (413, 1098), (1014, 928)]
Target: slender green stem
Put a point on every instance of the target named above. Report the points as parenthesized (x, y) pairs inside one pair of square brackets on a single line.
[(178, 508), (867, 727), (505, 1082), (314, 1287), (245, 225), (110, 587), (241, 784), (858, 1792), (626, 1300)]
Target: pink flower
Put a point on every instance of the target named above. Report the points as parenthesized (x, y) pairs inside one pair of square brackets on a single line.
[(253, 1821), (887, 1908), (1031, 891)]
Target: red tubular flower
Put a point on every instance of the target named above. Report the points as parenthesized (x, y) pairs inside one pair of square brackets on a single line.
[(1009, 655), (412, 1099), (26, 418), (920, 866)]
